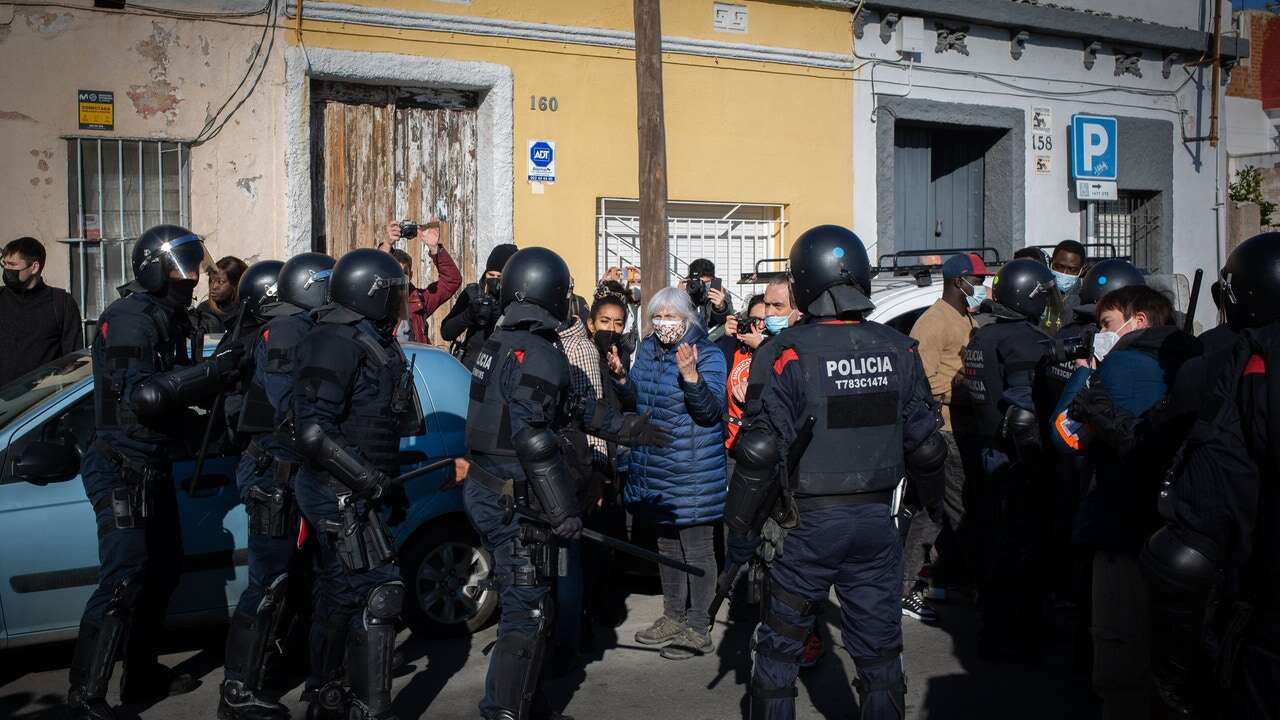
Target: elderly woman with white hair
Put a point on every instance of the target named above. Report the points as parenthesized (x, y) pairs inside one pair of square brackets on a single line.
[(678, 379)]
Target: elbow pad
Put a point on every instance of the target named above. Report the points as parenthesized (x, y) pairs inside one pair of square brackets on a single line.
[(319, 448), (926, 466), (547, 475), (1022, 430), (1179, 561), (752, 489), (164, 393)]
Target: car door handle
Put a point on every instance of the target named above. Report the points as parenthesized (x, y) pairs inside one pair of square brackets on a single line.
[(209, 485)]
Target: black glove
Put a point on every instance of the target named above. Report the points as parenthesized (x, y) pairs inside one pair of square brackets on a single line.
[(570, 529), (639, 430), (378, 489), (741, 548), (229, 360)]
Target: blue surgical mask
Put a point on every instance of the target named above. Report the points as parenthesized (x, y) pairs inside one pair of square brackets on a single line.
[(776, 324), (1066, 283), (979, 295)]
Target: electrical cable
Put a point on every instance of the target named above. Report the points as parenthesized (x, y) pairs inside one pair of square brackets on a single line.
[(148, 11), (209, 131)]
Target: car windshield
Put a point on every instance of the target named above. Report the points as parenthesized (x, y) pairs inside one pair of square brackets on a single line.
[(45, 381)]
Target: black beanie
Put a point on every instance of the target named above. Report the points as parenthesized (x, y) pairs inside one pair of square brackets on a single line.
[(499, 256)]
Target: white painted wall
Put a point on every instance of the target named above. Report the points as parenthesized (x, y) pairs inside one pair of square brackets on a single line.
[(1174, 13), (1247, 129), (1022, 85)]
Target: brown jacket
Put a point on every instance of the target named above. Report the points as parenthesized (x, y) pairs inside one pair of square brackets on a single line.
[(942, 333)]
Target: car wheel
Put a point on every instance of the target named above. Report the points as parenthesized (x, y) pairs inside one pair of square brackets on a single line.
[(446, 570)]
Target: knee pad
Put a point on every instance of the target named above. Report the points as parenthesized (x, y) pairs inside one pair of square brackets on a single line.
[(125, 596), (516, 664), (273, 595), (385, 602)]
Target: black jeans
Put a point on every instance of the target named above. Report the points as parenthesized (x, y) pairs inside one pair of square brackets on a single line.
[(683, 595)]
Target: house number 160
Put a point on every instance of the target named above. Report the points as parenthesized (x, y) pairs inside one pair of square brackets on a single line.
[(543, 103)]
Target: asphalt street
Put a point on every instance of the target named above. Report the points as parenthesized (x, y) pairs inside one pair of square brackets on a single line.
[(620, 680)]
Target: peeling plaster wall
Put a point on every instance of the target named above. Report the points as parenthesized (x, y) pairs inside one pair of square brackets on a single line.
[(169, 76)]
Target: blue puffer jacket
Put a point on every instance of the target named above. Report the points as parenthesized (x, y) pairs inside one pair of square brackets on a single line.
[(684, 483)]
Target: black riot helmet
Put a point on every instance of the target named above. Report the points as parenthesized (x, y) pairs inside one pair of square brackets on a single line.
[(165, 249), (256, 285), (1251, 282), (825, 257), (369, 282), (539, 276), (1106, 276), (303, 284), (1023, 286)]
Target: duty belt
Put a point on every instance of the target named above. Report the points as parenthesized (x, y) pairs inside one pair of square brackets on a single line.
[(501, 486), (263, 459), (817, 502)]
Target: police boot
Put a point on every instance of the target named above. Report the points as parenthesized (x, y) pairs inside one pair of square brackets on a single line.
[(82, 704), (882, 688), (328, 702), (370, 651), (247, 642)]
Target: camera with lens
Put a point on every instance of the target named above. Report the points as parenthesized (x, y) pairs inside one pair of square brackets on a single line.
[(1061, 350), (408, 229), (696, 288)]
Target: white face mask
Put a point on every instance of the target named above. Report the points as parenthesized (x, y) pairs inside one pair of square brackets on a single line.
[(979, 294), (668, 331), (1104, 342)]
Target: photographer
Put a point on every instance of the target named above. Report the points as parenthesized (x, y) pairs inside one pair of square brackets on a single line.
[(710, 300), (1136, 354), (423, 301), (471, 319)]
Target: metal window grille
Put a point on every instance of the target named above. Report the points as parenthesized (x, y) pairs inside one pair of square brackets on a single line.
[(116, 190), (1132, 224), (732, 235)]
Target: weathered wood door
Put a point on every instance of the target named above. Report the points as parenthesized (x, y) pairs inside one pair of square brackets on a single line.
[(387, 153)]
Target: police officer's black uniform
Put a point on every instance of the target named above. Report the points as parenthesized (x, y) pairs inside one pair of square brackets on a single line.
[(127, 474), (1001, 364), (352, 402), (520, 489), (873, 419), (1222, 505), (266, 473)]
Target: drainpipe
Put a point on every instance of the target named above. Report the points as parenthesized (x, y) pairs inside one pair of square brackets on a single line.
[(1217, 72)]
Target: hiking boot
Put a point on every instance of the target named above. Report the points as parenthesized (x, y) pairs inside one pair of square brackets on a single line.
[(813, 650), (915, 606), (661, 632), (690, 643)]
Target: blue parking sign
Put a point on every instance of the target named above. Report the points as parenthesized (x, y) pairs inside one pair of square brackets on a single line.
[(1093, 147)]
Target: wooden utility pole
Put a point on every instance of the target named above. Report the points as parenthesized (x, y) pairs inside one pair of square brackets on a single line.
[(653, 149)]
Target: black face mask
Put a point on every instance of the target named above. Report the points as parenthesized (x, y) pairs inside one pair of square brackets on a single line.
[(178, 294), (606, 340), (12, 281), (493, 286)]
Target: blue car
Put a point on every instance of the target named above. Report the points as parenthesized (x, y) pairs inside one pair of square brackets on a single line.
[(48, 538)]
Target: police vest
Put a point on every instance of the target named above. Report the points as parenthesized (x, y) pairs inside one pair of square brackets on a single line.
[(856, 378), (377, 414), (994, 352), (257, 415), (113, 363), (545, 374)]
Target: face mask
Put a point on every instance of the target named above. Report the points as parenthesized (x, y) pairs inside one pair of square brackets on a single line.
[(977, 298), (668, 331), (1105, 341), (178, 294), (12, 281), (1066, 283), (605, 340), (493, 286), (776, 324)]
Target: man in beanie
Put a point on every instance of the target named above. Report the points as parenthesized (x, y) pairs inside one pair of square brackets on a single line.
[(473, 315)]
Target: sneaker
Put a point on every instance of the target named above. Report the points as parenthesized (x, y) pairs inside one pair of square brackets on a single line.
[(813, 650), (915, 606), (690, 643), (661, 632)]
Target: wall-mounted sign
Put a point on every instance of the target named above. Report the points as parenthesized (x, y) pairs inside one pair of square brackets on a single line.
[(1042, 165), (1096, 190), (97, 110), (1041, 120), (1093, 147), (542, 161)]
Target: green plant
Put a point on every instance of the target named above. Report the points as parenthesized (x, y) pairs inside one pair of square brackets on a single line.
[(1247, 187)]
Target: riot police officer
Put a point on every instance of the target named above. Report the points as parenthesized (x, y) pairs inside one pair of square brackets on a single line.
[(265, 477), (1222, 507), (353, 400), (127, 474), (859, 388), (1001, 366), (519, 490)]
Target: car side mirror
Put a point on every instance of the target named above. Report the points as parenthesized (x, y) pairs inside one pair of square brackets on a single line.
[(41, 462)]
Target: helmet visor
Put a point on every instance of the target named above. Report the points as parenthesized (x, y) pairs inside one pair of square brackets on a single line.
[(186, 256)]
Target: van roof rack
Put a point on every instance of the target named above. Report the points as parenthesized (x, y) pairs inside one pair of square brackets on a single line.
[(926, 262)]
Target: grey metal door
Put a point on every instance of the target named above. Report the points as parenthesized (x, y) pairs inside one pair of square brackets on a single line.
[(938, 178)]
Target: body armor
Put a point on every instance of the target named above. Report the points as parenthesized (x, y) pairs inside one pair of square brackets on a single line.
[(994, 354), (546, 373)]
